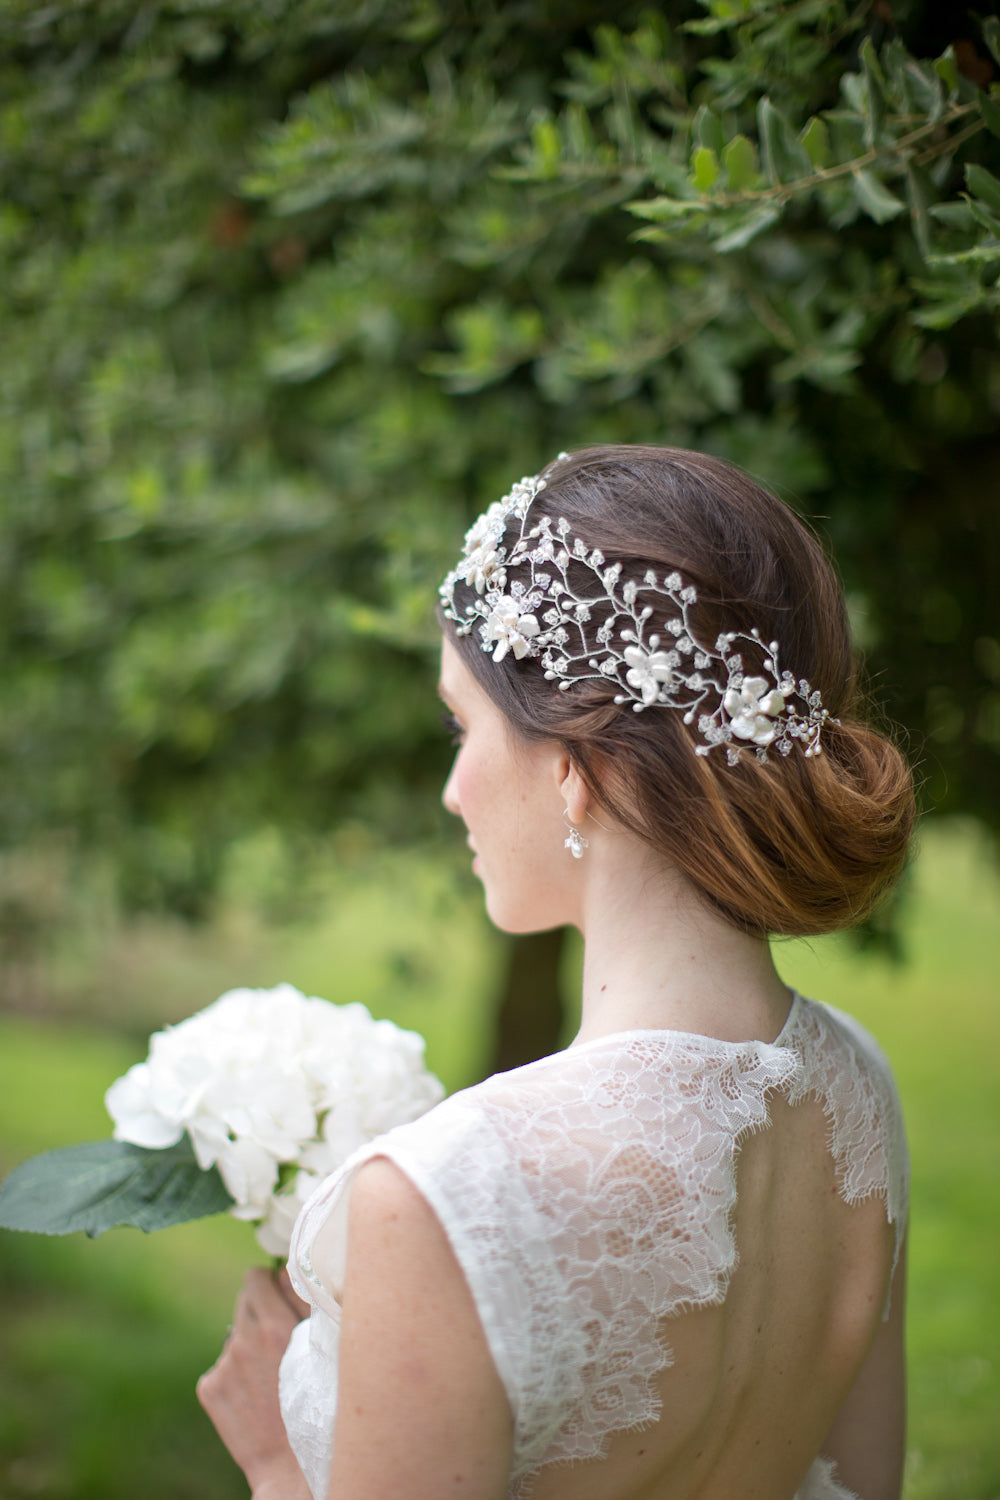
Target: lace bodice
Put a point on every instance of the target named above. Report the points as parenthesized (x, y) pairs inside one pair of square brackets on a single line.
[(586, 1197)]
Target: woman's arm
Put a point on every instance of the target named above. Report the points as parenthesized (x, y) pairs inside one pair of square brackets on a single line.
[(421, 1410), (868, 1440)]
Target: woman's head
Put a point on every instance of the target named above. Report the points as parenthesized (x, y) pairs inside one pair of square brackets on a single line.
[(792, 842)]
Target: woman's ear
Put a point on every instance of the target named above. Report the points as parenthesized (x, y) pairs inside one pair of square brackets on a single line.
[(573, 790)]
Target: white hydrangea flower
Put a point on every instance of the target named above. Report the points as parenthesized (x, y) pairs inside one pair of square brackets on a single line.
[(753, 708), (264, 1080), (274, 1232)]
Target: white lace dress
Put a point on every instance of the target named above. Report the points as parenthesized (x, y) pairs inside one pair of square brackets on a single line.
[(588, 1196)]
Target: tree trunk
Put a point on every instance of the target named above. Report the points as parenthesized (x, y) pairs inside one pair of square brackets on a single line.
[(529, 1006)]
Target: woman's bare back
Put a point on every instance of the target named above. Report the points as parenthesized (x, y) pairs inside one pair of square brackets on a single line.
[(755, 1384)]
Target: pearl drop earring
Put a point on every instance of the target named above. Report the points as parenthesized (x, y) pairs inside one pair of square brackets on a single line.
[(575, 843)]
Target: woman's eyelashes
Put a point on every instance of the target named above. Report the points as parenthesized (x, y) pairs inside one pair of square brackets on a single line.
[(455, 731)]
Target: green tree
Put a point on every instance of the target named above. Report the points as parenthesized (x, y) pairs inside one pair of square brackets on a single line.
[(290, 289)]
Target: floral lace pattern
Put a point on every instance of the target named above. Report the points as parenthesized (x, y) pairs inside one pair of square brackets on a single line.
[(589, 1195)]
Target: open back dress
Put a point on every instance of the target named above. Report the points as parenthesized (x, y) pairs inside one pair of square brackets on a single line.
[(588, 1198)]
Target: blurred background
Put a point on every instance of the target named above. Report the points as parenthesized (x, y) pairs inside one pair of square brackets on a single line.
[(289, 291)]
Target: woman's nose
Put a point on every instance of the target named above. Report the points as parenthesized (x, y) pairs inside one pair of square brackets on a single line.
[(449, 794)]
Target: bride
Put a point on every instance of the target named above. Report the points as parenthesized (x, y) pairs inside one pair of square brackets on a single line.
[(666, 1263)]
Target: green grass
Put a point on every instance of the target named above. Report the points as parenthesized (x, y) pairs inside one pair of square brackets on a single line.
[(405, 936), (101, 1342)]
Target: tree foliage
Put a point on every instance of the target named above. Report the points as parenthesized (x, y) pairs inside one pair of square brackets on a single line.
[(290, 289)]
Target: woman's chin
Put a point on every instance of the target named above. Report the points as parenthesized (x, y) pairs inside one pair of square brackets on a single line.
[(519, 919)]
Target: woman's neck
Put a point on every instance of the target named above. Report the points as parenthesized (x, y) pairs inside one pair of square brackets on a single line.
[(657, 956)]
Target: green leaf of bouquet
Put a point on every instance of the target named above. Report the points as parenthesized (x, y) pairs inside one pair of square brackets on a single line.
[(102, 1184)]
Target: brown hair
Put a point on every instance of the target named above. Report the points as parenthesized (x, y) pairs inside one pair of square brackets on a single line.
[(793, 845)]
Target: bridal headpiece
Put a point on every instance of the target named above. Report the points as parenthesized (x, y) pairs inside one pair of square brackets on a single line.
[(542, 613)]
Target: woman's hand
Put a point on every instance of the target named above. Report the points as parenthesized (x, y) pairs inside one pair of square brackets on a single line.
[(240, 1391)]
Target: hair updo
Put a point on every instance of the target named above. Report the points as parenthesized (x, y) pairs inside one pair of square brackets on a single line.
[(792, 845)]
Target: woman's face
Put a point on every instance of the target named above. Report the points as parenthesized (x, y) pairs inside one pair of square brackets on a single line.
[(506, 791)]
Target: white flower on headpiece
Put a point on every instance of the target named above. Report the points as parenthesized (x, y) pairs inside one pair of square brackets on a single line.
[(482, 557), (648, 670), (481, 566), (752, 710), (509, 628), (487, 527)]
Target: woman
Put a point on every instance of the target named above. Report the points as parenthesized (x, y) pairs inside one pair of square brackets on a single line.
[(667, 1263)]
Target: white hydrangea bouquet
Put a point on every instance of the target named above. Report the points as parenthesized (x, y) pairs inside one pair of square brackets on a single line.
[(243, 1107)]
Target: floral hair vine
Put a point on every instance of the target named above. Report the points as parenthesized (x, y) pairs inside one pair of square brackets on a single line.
[(542, 615)]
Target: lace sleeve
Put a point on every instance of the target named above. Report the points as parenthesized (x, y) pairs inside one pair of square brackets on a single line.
[(850, 1074), (466, 1169)]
